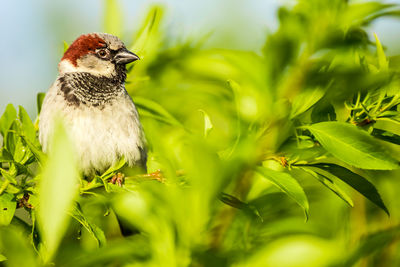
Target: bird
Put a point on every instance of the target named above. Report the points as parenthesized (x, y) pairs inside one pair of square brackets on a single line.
[(99, 115)]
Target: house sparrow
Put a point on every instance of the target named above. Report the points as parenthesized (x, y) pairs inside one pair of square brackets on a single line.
[(89, 93)]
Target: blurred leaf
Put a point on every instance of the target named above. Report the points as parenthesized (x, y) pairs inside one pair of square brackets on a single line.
[(357, 182), (352, 145), (7, 208), (148, 35), (21, 224), (394, 62), (238, 204), (287, 184), (329, 184), (14, 246), (151, 109), (134, 250), (93, 229), (323, 112), (383, 63), (207, 123), (280, 50), (40, 98), (6, 120), (344, 80), (112, 18), (305, 100), (2, 257), (372, 243), (363, 13), (57, 190)]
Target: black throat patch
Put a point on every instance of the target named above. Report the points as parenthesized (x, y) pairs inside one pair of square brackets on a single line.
[(83, 88)]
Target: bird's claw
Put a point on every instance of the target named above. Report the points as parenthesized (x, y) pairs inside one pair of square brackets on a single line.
[(117, 179)]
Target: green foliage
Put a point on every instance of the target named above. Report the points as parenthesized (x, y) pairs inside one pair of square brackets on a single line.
[(288, 184), (353, 146), (15, 245), (359, 183), (246, 142), (112, 18), (57, 190), (7, 208)]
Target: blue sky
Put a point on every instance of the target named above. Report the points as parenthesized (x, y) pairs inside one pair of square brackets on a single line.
[(32, 33)]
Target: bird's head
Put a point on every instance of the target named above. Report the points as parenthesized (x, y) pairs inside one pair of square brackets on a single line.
[(100, 54)]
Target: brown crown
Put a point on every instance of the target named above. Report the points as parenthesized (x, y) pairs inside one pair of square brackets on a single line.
[(85, 44)]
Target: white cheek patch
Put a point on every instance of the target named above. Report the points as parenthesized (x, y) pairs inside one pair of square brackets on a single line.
[(65, 66), (90, 64)]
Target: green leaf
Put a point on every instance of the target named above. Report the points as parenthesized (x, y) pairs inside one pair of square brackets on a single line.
[(27, 127), (305, 100), (13, 189), (37, 152), (40, 96), (6, 120), (360, 12), (287, 184), (386, 136), (352, 145), (238, 204), (112, 17), (10, 174), (378, 241), (330, 184), (2, 257), (93, 229), (121, 163), (383, 63), (11, 138), (8, 206), (208, 126), (323, 112), (58, 188), (5, 156), (21, 153), (394, 62), (65, 48), (21, 224), (136, 250), (357, 182), (15, 247), (148, 36), (151, 109)]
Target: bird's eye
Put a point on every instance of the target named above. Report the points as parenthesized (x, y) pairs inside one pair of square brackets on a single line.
[(103, 53)]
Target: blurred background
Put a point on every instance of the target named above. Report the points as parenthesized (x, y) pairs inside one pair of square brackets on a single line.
[(33, 33)]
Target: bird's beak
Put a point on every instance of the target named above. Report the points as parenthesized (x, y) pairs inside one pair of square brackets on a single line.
[(124, 56)]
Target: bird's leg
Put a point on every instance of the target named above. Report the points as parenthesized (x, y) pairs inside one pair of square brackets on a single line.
[(117, 179)]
